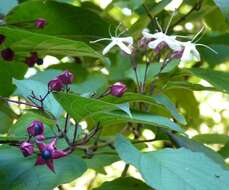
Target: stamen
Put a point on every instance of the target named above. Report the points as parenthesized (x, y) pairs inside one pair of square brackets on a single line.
[(123, 32), (201, 36), (198, 33), (102, 39), (117, 28), (180, 36), (109, 30), (169, 23), (158, 24), (207, 48)]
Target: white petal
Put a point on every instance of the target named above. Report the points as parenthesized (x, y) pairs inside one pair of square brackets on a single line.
[(147, 34), (173, 44), (128, 40), (108, 47), (124, 47), (187, 56), (154, 44), (196, 54)]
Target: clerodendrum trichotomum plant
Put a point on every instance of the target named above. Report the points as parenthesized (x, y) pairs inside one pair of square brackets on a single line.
[(127, 103)]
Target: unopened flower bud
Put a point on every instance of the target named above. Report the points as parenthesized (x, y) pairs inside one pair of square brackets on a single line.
[(177, 54), (8, 54), (40, 23), (66, 77), (40, 138), (55, 85), (143, 42), (26, 148), (118, 89), (160, 47), (36, 128), (2, 38), (32, 59)]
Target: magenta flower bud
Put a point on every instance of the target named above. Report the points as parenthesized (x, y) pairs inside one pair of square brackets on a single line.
[(2, 38), (26, 148), (48, 153), (55, 85), (36, 128), (40, 138), (66, 77), (177, 54), (8, 54), (160, 47), (40, 23), (32, 59), (118, 89)]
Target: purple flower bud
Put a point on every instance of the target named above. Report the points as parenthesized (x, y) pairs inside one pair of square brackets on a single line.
[(66, 77), (32, 59), (2, 38), (143, 42), (40, 138), (177, 54), (26, 148), (36, 128), (55, 85), (8, 54), (160, 46), (40, 23), (118, 89)]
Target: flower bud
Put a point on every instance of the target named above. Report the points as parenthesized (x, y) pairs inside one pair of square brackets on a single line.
[(32, 59), (55, 85), (40, 138), (26, 148), (177, 54), (8, 54), (40, 23), (160, 47), (118, 89), (2, 38), (66, 77), (143, 42), (36, 128)]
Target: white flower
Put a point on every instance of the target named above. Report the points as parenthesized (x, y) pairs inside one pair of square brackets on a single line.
[(124, 43), (190, 53), (162, 37)]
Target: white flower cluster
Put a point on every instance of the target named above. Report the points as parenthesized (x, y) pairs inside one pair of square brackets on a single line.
[(186, 51)]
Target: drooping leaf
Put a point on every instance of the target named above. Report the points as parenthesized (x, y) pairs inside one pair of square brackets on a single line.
[(175, 168), (211, 138), (224, 7), (117, 117), (18, 172), (23, 42), (127, 183)]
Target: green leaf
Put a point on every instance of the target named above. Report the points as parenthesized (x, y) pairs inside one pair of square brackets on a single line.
[(175, 168), (5, 123), (224, 151), (63, 20), (212, 138), (218, 79), (127, 183), (7, 5), (159, 100), (25, 88), (18, 172), (23, 42), (80, 107), (224, 7), (198, 147), (116, 117)]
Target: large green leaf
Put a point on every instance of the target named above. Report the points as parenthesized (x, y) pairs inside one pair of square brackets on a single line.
[(218, 79), (23, 42), (5, 80), (117, 117), (17, 172), (5, 122), (211, 138), (80, 107), (175, 168), (25, 88), (127, 183), (63, 20), (224, 7), (159, 100)]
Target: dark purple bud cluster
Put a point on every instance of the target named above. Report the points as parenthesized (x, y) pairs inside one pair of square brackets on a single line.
[(33, 59), (47, 152), (118, 89), (60, 81), (7, 53)]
